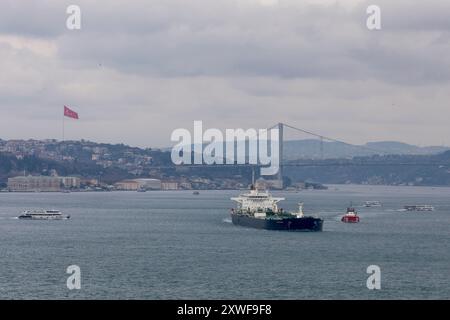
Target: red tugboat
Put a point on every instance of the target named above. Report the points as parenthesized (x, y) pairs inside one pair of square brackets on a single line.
[(351, 216)]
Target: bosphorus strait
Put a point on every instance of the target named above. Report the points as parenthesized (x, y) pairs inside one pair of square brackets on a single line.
[(176, 245)]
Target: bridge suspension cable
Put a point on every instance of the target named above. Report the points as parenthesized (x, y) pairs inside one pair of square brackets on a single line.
[(322, 137)]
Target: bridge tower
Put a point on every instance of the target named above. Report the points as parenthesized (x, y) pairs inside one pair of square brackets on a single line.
[(280, 155)]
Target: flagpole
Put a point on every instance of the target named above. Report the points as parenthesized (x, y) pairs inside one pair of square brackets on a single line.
[(63, 127), (70, 114)]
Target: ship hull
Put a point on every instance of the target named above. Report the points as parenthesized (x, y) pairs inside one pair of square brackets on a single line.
[(40, 218), (350, 219), (286, 224), (28, 217)]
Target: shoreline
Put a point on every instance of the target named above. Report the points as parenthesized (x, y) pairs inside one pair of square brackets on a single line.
[(331, 187)]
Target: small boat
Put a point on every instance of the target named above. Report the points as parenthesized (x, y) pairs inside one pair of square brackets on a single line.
[(195, 193), (43, 215), (351, 216), (371, 204), (421, 207)]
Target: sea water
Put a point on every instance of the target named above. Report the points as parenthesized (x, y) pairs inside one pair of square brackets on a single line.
[(176, 245)]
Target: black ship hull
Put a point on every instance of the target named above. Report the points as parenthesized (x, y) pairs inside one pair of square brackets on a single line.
[(288, 224)]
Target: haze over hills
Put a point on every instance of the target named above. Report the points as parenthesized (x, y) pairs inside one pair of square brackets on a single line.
[(111, 163), (413, 170), (311, 149)]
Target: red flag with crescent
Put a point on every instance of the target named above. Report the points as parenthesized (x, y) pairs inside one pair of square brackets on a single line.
[(70, 113)]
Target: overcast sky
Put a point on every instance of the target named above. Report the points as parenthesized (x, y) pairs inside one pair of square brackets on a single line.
[(137, 70)]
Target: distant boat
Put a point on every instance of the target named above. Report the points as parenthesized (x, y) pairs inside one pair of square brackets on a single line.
[(370, 204), (351, 216), (421, 207), (195, 193), (43, 215), (141, 190)]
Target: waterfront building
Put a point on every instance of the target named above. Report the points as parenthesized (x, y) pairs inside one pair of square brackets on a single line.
[(149, 184), (138, 184), (169, 185), (127, 185), (42, 183), (70, 182), (34, 184)]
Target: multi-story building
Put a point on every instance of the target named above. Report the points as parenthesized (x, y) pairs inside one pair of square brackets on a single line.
[(136, 184), (70, 182), (127, 185), (169, 185), (34, 183), (42, 183), (149, 184), (186, 185), (90, 182)]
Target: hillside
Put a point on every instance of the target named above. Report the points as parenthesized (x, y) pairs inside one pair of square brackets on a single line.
[(422, 170), (311, 149), (111, 163)]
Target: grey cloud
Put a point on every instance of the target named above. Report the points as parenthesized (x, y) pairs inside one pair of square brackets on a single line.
[(44, 18), (177, 39), (148, 67), (202, 38)]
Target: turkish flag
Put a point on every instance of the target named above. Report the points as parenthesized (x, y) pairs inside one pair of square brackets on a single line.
[(70, 113)]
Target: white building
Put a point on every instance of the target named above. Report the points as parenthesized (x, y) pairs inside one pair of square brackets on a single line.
[(169, 185), (34, 183), (149, 184), (70, 182), (42, 183)]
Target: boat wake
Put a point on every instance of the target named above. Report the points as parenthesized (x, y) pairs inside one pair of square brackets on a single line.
[(227, 220)]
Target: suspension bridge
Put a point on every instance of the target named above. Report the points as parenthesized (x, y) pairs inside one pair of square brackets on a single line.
[(317, 161), (322, 139)]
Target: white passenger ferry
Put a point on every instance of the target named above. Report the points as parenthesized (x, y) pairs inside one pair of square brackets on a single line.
[(43, 215), (371, 204), (421, 207)]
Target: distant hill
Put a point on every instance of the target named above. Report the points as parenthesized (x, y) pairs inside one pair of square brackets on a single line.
[(401, 163), (394, 147), (311, 149), (418, 170)]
